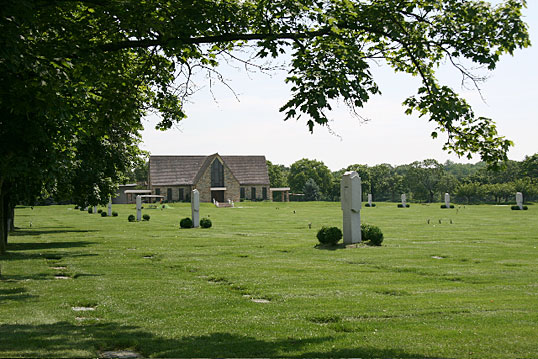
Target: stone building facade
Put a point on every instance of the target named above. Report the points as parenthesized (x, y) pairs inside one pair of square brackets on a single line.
[(216, 177)]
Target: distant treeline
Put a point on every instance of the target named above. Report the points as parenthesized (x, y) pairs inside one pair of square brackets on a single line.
[(422, 181)]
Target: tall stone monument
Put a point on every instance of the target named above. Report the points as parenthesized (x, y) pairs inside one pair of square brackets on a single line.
[(369, 200), (351, 196), (404, 198), (94, 210), (109, 207), (447, 200), (519, 200), (195, 208), (138, 208)]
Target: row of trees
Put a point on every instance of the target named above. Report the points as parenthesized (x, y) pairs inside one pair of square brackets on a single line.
[(423, 181)]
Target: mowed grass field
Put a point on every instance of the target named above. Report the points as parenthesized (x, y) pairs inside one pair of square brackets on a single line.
[(255, 285)]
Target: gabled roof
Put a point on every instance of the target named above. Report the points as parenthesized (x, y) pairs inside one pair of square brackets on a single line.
[(186, 170)]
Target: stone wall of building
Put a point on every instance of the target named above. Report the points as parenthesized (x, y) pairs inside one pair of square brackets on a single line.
[(259, 192), (163, 191), (231, 184)]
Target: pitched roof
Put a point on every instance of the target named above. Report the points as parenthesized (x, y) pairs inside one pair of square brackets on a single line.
[(185, 170)]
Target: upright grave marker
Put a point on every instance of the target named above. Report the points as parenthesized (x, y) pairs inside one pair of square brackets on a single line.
[(94, 210), (519, 200), (369, 200), (447, 200), (351, 194), (109, 207), (138, 208), (403, 200), (195, 208)]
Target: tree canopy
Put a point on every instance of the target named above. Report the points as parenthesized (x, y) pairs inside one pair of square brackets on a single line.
[(79, 75)]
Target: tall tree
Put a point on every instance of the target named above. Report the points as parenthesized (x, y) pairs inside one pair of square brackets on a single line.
[(277, 175), (424, 178), (303, 170)]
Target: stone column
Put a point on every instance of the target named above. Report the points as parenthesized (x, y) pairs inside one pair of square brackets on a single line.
[(403, 200), (369, 199), (138, 208), (447, 200), (195, 208), (109, 207), (351, 196), (519, 200), (94, 210)]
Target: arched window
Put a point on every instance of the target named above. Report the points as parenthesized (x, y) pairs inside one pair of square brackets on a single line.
[(217, 174)]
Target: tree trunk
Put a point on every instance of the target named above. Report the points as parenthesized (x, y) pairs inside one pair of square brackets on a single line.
[(3, 228)]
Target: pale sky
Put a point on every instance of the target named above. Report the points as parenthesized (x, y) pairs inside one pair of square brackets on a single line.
[(254, 126)]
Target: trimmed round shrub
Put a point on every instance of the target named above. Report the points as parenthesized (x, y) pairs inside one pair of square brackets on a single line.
[(444, 206), (77, 207), (402, 206), (103, 214), (81, 209), (99, 210), (368, 205), (205, 223), (146, 217), (329, 235), (371, 234), (90, 210), (131, 218), (114, 214), (185, 223)]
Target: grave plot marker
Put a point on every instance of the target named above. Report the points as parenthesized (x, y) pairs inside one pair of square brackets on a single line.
[(138, 208), (351, 194), (195, 208), (519, 200)]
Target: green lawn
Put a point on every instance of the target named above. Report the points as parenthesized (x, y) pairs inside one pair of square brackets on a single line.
[(255, 285)]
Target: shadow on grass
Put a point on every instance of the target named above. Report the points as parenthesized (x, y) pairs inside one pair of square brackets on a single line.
[(38, 232), (64, 339), (46, 245), (329, 247), (21, 255), (15, 294)]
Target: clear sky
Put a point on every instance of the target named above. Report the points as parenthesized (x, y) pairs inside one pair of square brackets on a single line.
[(252, 124)]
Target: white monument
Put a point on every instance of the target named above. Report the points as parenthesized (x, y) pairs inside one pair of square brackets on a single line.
[(351, 196), (369, 200), (138, 208), (109, 207), (195, 208), (447, 200), (403, 200), (94, 210), (519, 200)]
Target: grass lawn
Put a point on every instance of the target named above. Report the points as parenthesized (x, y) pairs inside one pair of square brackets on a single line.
[(254, 285)]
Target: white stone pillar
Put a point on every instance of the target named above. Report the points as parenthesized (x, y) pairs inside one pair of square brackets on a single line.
[(369, 200), (94, 210), (447, 200), (403, 200), (351, 196), (195, 208), (519, 200), (138, 208), (110, 208)]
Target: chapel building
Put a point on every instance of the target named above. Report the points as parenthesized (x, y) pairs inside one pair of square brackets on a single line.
[(216, 177)]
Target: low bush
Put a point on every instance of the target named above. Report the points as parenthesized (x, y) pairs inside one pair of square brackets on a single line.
[(205, 223), (114, 214), (77, 207), (81, 209), (516, 208), (103, 214), (90, 210), (371, 234), (146, 217), (402, 206), (99, 210), (368, 205), (444, 206), (185, 223), (131, 218), (329, 235)]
